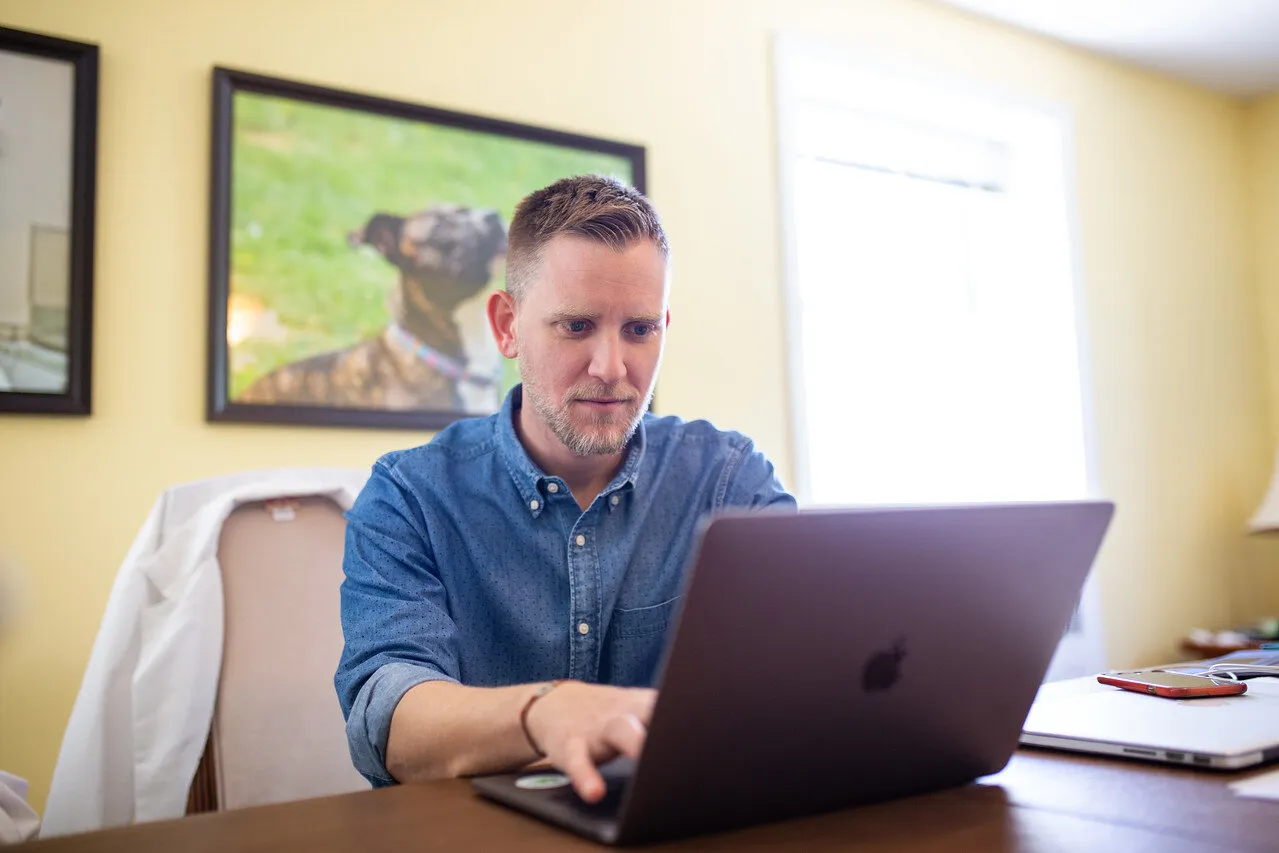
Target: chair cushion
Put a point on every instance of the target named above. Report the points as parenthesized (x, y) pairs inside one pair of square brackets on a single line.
[(278, 732)]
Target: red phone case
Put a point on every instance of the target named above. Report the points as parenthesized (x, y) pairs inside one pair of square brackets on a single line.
[(1137, 686)]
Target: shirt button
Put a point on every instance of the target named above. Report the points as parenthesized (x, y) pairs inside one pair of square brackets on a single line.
[(614, 500), (533, 505), (583, 628), (581, 540), (552, 487)]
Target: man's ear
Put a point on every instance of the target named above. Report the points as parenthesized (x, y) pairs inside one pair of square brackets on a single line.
[(501, 312)]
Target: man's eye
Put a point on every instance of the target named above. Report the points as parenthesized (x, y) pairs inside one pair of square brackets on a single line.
[(576, 326), (641, 330)]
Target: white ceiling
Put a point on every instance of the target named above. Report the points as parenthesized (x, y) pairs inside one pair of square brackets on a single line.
[(1231, 46)]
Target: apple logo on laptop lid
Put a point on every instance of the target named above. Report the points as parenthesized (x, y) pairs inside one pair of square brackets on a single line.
[(883, 669)]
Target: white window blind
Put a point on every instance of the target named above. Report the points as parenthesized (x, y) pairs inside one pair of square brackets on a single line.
[(932, 297), (935, 343)]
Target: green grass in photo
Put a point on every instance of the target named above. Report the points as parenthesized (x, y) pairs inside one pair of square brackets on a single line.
[(305, 175)]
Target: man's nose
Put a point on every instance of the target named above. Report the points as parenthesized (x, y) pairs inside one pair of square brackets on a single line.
[(607, 364)]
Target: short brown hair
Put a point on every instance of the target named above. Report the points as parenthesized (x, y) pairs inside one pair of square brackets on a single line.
[(591, 206)]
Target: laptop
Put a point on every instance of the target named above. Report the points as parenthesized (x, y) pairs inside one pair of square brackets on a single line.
[(830, 658), (1225, 733)]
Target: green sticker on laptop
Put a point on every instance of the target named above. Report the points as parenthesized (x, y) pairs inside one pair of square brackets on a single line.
[(541, 781)]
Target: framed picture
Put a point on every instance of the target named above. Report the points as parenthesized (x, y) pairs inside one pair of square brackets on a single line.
[(48, 144), (354, 243)]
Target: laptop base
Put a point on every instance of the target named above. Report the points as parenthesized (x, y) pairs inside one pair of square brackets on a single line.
[(541, 793)]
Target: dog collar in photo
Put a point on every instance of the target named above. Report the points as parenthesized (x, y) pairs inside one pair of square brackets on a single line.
[(450, 367)]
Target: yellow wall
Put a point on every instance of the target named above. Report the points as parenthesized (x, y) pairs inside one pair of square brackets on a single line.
[(1263, 161), (1181, 413)]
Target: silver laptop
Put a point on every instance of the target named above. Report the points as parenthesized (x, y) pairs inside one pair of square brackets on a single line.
[(1226, 732), (830, 658)]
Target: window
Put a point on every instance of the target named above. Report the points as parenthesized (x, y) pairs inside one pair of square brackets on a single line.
[(934, 335)]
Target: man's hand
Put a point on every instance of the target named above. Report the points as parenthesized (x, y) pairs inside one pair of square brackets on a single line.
[(580, 725)]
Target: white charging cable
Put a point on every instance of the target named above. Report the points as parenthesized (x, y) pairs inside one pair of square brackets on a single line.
[(1229, 671), (1234, 671)]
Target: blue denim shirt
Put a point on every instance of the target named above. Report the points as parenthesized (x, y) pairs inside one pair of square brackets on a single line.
[(466, 563)]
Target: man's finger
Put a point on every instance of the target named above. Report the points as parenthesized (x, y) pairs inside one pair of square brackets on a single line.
[(586, 780), (644, 707), (626, 734)]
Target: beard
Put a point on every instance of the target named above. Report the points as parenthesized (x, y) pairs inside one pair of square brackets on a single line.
[(594, 433)]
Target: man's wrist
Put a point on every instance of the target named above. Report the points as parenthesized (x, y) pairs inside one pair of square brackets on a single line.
[(537, 694)]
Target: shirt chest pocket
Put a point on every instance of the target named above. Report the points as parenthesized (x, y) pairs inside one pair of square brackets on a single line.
[(636, 638)]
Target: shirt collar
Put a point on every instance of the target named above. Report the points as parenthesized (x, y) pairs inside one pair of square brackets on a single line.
[(531, 480)]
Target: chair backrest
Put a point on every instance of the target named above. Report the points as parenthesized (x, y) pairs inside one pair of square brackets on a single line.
[(277, 730)]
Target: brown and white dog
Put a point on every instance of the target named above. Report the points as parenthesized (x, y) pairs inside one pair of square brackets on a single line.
[(445, 255)]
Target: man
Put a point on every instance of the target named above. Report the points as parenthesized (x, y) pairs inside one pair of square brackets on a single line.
[(509, 585)]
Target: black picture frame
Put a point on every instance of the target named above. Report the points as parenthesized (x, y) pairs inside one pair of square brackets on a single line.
[(71, 243), (228, 86)]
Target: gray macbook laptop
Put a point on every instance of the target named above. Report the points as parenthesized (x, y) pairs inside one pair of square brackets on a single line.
[(1226, 732), (831, 658)]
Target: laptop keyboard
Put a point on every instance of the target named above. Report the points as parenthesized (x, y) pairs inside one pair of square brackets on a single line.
[(610, 806), (617, 775)]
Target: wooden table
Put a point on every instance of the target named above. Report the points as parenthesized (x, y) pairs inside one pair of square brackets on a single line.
[(1043, 801)]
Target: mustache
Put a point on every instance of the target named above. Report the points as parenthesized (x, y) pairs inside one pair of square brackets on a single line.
[(602, 392)]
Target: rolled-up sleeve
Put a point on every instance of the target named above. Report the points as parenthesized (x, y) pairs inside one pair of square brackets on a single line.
[(751, 481), (395, 618)]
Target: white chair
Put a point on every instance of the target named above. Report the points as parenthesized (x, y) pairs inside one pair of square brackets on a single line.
[(277, 731)]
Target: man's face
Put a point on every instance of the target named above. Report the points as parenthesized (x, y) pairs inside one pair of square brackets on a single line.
[(590, 332)]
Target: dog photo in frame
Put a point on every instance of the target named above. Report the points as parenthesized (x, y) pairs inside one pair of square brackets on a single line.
[(354, 242)]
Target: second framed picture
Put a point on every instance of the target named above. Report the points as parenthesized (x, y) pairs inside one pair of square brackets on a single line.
[(354, 242), (48, 157)]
